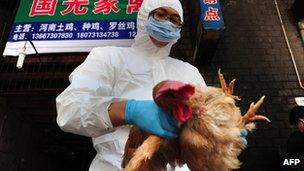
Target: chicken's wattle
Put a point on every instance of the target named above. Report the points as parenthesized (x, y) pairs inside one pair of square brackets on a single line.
[(182, 112)]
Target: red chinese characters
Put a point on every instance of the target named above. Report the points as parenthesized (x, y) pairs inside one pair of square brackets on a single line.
[(212, 14), (133, 6), (80, 7), (77, 6), (210, 1), (43, 7), (105, 6)]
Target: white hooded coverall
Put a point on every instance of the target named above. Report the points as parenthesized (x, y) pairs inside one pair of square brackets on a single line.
[(111, 74)]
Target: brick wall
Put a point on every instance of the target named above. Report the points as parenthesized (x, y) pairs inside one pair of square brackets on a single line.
[(252, 49), (13, 132), (28, 143), (18, 143)]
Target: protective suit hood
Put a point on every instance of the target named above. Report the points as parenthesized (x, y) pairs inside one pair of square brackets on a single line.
[(142, 39)]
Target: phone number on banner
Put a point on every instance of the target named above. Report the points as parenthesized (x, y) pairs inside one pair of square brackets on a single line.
[(80, 35), (98, 35)]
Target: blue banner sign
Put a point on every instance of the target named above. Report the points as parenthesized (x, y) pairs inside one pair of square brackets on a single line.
[(59, 26), (211, 14)]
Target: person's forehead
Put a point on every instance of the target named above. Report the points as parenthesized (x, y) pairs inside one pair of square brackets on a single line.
[(169, 10)]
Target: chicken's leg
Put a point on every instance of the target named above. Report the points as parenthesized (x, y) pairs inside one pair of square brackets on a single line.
[(144, 152)]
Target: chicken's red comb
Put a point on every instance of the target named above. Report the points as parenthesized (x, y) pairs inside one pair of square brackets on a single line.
[(185, 90)]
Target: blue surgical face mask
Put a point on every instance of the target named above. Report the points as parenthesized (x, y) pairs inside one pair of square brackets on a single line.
[(163, 31)]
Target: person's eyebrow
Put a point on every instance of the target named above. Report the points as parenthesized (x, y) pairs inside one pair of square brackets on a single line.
[(165, 10)]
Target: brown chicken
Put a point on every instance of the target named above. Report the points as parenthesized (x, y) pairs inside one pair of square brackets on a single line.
[(210, 127)]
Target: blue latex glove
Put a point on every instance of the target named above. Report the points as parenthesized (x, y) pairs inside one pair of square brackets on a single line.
[(148, 116), (244, 134)]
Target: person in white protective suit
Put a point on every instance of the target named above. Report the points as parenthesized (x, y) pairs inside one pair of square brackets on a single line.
[(112, 88)]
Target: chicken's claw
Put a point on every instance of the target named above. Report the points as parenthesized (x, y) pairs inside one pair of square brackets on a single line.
[(228, 90), (251, 116)]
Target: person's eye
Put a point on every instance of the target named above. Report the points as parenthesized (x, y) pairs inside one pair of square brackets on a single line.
[(176, 21)]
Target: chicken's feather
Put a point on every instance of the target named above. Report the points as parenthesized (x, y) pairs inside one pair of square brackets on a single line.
[(209, 140)]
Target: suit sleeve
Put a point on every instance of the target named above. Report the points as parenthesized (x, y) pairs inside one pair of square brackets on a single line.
[(198, 78), (82, 106)]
